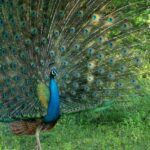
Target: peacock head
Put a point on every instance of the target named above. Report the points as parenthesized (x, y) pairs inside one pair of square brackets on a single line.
[(53, 72)]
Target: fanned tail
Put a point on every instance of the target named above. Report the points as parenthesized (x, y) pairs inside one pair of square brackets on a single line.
[(96, 46)]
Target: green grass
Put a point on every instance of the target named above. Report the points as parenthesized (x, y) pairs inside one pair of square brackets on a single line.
[(119, 128)]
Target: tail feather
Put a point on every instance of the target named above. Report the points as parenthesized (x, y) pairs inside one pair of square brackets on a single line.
[(95, 45)]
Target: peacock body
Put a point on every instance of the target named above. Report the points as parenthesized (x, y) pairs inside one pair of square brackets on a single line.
[(66, 56)]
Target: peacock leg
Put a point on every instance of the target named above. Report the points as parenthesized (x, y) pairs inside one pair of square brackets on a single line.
[(37, 134)]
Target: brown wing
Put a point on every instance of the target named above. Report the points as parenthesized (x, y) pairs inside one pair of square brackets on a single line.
[(29, 128)]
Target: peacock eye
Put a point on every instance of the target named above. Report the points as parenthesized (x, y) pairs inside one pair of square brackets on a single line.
[(110, 19), (53, 71)]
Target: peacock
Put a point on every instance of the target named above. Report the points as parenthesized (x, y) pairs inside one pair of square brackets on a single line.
[(67, 56)]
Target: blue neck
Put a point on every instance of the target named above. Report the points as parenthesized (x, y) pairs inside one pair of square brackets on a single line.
[(53, 111)]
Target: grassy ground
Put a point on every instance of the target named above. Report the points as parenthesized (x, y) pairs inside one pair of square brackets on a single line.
[(119, 128)]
